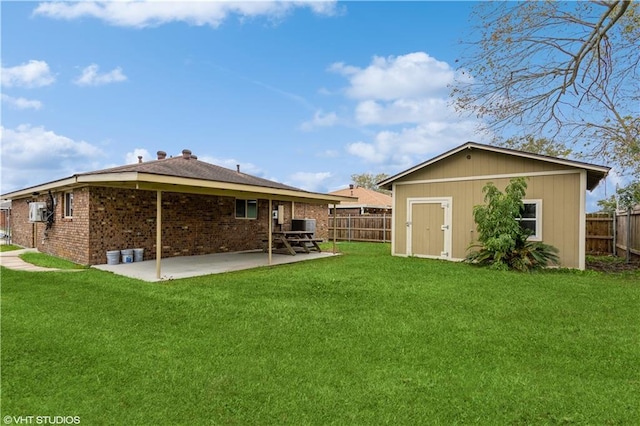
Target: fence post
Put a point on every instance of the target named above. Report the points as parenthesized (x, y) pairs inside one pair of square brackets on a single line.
[(349, 227), (628, 244), (384, 227), (615, 232)]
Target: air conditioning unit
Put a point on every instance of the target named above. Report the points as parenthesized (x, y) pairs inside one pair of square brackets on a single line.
[(37, 212)]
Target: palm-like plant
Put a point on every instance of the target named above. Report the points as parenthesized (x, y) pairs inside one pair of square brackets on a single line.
[(502, 242)]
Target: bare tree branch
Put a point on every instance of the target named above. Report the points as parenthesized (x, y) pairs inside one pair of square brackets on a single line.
[(563, 70)]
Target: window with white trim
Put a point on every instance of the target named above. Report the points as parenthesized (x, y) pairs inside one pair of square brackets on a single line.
[(68, 204), (246, 209), (531, 218)]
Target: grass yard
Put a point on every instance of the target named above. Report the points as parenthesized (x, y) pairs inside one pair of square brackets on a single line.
[(364, 338)]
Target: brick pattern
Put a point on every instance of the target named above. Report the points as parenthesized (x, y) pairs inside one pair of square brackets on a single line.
[(21, 229), (68, 237), (107, 219)]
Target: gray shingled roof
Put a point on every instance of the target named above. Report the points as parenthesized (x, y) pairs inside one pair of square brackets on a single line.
[(194, 169)]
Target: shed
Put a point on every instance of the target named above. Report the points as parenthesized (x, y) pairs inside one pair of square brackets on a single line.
[(433, 201), (177, 206)]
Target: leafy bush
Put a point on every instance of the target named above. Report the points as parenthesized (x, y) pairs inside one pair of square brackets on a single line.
[(502, 242)]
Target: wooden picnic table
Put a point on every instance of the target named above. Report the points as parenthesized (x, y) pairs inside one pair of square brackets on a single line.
[(292, 242)]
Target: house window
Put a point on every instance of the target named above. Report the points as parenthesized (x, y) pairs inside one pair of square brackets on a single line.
[(532, 218), (68, 204), (246, 209)]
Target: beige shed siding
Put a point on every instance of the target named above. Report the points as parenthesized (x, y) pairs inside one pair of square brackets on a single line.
[(481, 163), (560, 205)]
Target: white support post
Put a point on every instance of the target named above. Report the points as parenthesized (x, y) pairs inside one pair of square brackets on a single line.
[(158, 233)]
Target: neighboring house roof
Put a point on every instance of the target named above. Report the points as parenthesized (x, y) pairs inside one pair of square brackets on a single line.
[(183, 173), (595, 173), (365, 198)]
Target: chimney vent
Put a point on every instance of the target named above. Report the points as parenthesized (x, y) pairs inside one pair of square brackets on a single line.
[(139, 159), (162, 155), (195, 157), (186, 154), (238, 168)]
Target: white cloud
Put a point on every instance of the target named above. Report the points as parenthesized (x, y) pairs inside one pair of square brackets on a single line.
[(310, 181), (401, 111), (132, 157), (21, 103), (320, 119), (34, 155), (91, 77), (407, 90), (409, 76), (404, 148), (142, 14), (30, 74)]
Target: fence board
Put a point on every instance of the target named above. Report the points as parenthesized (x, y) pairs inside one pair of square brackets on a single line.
[(599, 233), (372, 228), (628, 233)]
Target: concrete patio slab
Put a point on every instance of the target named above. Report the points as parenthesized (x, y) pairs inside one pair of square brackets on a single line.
[(193, 266)]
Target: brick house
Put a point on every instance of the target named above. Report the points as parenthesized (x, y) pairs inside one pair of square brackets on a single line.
[(176, 206), (367, 201)]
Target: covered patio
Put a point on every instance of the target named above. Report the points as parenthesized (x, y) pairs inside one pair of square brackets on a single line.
[(170, 207), (208, 264)]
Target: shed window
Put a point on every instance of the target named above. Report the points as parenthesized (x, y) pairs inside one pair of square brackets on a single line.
[(246, 209), (531, 218), (68, 204)]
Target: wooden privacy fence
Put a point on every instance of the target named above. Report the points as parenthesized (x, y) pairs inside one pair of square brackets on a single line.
[(361, 227), (627, 233), (607, 233), (601, 235)]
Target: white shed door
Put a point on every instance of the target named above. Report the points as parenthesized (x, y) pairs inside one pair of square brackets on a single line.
[(429, 227)]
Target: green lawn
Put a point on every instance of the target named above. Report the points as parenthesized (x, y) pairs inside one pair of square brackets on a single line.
[(364, 338)]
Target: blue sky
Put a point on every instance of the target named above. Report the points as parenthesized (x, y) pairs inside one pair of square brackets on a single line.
[(304, 93)]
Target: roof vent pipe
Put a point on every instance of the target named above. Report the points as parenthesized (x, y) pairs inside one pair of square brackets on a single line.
[(186, 154), (139, 159), (238, 168), (195, 157), (162, 155)]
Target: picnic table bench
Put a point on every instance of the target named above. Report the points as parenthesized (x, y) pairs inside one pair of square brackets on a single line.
[(292, 242)]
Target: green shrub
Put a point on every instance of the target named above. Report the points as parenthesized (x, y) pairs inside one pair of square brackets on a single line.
[(502, 242)]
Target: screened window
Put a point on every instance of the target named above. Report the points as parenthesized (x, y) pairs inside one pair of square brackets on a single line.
[(68, 204), (532, 218), (246, 209)]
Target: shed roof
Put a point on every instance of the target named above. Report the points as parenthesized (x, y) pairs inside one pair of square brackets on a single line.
[(183, 173), (595, 173)]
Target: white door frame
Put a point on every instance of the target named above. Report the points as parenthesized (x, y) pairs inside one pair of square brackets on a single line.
[(447, 204)]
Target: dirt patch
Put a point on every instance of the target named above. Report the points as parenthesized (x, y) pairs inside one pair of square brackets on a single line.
[(612, 265)]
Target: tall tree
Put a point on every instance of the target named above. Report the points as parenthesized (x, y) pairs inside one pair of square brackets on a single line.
[(564, 70), (370, 181), (544, 146)]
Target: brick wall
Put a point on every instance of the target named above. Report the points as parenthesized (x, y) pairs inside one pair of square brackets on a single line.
[(67, 238), (107, 219), (21, 229)]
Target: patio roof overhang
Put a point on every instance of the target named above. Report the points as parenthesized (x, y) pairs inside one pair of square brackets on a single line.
[(155, 182)]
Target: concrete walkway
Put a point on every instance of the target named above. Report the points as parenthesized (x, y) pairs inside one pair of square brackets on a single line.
[(11, 260)]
